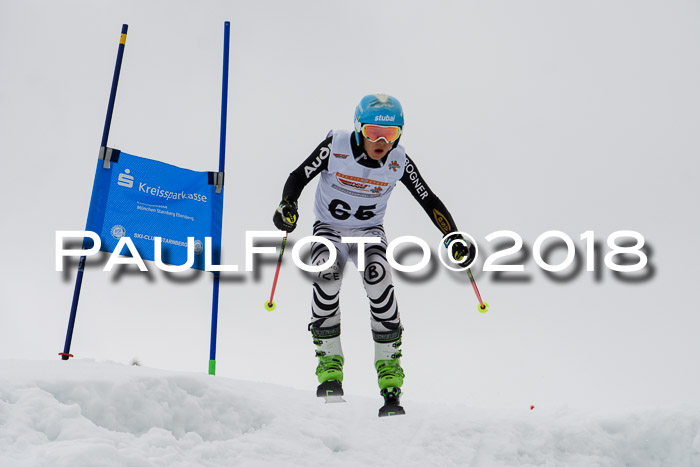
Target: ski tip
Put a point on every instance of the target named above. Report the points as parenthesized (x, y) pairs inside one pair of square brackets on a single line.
[(334, 399), (269, 306)]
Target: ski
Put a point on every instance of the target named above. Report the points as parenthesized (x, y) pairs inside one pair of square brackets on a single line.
[(391, 405), (331, 391)]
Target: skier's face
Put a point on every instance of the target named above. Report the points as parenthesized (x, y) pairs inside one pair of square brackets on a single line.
[(378, 149)]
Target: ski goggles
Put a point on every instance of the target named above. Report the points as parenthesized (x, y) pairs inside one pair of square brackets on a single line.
[(376, 132)]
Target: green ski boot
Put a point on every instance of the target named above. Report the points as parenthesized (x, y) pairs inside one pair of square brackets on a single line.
[(330, 363), (387, 359), (389, 374), (330, 368)]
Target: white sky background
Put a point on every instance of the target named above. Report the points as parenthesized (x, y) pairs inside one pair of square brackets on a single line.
[(525, 116)]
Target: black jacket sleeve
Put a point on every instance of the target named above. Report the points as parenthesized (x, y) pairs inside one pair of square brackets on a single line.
[(432, 205), (316, 163)]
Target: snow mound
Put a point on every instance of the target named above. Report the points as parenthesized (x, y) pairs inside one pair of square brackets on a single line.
[(84, 413)]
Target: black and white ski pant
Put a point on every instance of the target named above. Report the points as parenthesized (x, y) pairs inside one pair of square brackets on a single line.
[(376, 278)]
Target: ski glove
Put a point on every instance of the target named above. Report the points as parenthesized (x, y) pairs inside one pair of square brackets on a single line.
[(286, 215), (464, 253)]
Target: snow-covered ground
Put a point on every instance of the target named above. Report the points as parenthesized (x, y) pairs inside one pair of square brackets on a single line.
[(87, 413)]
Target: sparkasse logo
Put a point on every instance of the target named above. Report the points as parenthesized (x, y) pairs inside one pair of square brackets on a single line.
[(125, 179)]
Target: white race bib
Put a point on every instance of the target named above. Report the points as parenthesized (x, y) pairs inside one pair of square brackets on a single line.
[(351, 194)]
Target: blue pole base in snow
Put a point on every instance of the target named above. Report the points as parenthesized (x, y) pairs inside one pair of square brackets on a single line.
[(212, 367), (65, 355)]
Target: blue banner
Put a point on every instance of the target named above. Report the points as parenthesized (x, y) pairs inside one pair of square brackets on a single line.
[(141, 198)]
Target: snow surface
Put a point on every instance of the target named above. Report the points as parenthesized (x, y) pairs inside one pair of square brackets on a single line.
[(86, 413)]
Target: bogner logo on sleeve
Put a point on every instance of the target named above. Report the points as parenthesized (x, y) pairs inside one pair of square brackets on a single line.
[(309, 169)]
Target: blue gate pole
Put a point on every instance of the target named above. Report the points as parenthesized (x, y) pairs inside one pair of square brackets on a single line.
[(65, 355), (222, 163)]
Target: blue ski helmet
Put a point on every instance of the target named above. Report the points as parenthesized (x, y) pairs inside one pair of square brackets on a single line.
[(377, 109)]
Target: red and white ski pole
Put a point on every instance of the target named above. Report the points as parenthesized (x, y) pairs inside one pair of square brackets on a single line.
[(483, 306), (270, 304)]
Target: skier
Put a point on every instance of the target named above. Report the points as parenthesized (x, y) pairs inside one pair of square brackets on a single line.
[(358, 173)]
